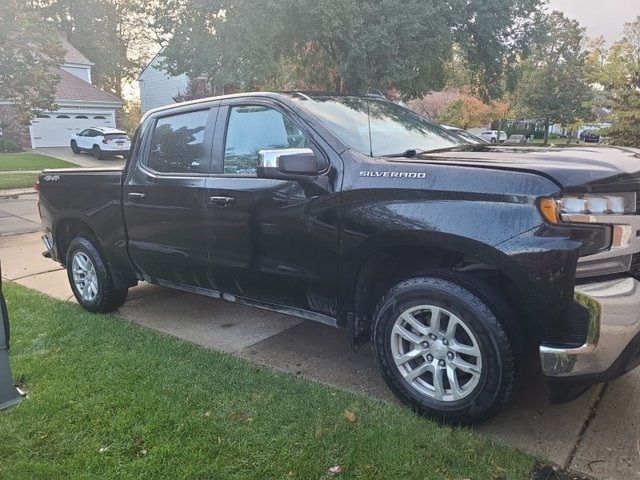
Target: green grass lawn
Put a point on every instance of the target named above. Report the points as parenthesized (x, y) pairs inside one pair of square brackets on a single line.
[(17, 180), (30, 161), (109, 399)]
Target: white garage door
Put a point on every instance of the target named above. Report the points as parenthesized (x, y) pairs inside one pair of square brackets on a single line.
[(55, 129)]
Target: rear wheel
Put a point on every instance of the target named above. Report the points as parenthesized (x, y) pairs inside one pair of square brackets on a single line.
[(443, 351), (74, 147), (90, 278), (494, 140), (97, 152)]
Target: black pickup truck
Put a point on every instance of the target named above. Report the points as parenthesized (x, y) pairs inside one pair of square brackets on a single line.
[(461, 263)]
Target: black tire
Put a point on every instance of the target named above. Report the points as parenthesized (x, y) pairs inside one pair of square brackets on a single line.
[(97, 152), (108, 297), (494, 140), (497, 378), (74, 147)]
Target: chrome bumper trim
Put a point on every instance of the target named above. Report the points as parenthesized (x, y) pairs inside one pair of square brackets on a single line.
[(614, 320)]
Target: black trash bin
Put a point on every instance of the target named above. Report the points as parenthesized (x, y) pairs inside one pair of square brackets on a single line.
[(8, 394)]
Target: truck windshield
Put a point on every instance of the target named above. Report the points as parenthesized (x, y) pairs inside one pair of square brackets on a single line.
[(378, 128)]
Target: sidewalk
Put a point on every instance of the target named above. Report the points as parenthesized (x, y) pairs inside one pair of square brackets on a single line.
[(18, 212), (598, 434)]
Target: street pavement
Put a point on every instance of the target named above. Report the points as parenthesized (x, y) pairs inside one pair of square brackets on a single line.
[(597, 434)]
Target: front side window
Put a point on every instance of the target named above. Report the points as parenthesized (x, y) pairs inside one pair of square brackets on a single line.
[(85, 133), (177, 145), (254, 128)]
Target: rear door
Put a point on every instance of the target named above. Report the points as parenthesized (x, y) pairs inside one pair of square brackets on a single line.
[(273, 241), (164, 196), (85, 138)]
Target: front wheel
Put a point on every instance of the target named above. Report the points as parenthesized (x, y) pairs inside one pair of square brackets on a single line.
[(74, 147), (443, 350), (90, 278)]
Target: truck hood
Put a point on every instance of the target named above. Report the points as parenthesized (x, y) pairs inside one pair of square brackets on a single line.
[(572, 168)]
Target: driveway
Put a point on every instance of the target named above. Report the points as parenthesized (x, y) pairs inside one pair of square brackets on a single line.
[(597, 434), (82, 159)]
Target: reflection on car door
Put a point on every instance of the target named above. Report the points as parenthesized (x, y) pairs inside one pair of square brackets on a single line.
[(163, 199), (273, 241)]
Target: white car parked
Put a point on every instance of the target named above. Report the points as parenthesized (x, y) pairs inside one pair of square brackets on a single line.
[(492, 136), (101, 141)]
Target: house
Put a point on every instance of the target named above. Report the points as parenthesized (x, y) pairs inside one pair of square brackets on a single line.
[(158, 87), (80, 105)]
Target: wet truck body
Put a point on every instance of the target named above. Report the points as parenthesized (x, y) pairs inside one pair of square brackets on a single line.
[(462, 264)]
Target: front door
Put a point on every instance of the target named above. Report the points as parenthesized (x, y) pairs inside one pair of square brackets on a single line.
[(164, 198), (274, 241)]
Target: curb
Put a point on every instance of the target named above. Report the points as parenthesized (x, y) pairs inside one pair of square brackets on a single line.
[(16, 192)]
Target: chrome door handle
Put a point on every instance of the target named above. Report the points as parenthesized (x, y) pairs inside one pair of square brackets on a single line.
[(135, 196), (221, 201)]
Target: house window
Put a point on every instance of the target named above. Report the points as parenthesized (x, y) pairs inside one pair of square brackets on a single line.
[(63, 116), (98, 117), (82, 116), (43, 116)]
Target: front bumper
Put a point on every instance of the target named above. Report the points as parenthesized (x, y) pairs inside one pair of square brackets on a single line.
[(612, 347)]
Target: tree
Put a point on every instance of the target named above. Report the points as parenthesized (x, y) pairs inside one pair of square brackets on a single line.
[(491, 35), (339, 45), (553, 83), (624, 60), (466, 112), (29, 51), (113, 34)]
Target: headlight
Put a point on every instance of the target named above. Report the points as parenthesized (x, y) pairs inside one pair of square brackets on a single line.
[(583, 208)]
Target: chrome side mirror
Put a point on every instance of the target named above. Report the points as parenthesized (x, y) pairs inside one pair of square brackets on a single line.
[(289, 164)]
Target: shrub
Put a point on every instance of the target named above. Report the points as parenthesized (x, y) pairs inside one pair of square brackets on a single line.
[(9, 146)]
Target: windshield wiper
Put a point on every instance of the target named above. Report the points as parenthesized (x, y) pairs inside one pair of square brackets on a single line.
[(414, 152), (458, 148)]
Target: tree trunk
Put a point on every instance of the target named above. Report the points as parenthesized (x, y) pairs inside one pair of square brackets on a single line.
[(546, 132), (499, 129)]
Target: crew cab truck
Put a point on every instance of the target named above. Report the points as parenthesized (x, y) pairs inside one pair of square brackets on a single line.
[(461, 263)]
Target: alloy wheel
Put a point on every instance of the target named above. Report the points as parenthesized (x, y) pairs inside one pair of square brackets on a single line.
[(85, 277), (436, 353)]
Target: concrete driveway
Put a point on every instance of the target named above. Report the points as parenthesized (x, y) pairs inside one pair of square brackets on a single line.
[(598, 434), (82, 159)]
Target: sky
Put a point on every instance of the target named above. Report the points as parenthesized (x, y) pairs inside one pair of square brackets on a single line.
[(600, 17)]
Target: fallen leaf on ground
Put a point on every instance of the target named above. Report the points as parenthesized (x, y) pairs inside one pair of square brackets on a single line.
[(335, 470), (350, 416)]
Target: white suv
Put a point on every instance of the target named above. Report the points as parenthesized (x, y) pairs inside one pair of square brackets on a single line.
[(492, 136), (101, 141)]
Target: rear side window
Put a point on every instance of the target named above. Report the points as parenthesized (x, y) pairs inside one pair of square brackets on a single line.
[(177, 144)]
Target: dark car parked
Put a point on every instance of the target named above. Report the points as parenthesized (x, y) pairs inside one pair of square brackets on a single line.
[(457, 261), (590, 136)]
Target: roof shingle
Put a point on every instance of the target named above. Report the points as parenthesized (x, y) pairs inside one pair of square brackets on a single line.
[(71, 53), (73, 88)]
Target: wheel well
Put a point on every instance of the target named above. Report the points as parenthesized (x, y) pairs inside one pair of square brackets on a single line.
[(390, 266), (66, 231)]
